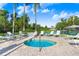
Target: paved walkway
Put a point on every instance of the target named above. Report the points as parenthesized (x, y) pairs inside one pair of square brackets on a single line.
[(11, 45), (62, 48)]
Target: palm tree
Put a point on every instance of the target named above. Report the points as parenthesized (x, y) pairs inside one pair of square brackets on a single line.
[(24, 18), (14, 17), (24, 13), (3, 19), (36, 6)]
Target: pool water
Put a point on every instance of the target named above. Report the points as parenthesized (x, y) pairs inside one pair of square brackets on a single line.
[(39, 43)]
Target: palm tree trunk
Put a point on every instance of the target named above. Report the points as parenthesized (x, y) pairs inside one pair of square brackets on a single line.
[(35, 11), (14, 18), (35, 21), (36, 6), (24, 17), (73, 20)]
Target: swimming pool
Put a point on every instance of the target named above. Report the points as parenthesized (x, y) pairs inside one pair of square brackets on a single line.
[(39, 43)]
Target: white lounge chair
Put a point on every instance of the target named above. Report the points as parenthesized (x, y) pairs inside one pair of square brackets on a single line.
[(57, 33), (42, 33), (21, 33), (35, 33), (74, 42), (51, 33), (73, 37), (8, 36)]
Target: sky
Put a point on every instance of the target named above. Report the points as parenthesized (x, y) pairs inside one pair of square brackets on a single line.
[(48, 14)]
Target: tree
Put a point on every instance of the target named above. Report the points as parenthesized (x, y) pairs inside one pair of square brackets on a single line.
[(14, 17), (36, 6), (3, 20), (61, 25), (24, 13), (19, 22), (46, 27), (24, 17), (72, 20)]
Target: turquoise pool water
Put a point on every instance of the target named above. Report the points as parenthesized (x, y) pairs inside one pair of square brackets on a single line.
[(39, 43)]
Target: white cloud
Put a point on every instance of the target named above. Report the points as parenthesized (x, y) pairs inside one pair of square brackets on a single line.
[(45, 11), (64, 15), (76, 14), (2, 5), (21, 9), (56, 17)]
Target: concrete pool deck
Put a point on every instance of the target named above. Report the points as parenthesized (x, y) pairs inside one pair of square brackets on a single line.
[(62, 48), (8, 46)]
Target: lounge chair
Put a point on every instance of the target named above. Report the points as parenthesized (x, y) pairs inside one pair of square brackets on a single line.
[(57, 33), (51, 33), (22, 34), (73, 42), (9, 33), (74, 37), (42, 33), (8, 36), (35, 33)]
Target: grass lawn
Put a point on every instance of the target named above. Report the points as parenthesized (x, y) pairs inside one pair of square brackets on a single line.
[(2, 34), (63, 35)]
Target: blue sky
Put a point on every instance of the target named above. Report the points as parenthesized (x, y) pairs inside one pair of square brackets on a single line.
[(49, 13)]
